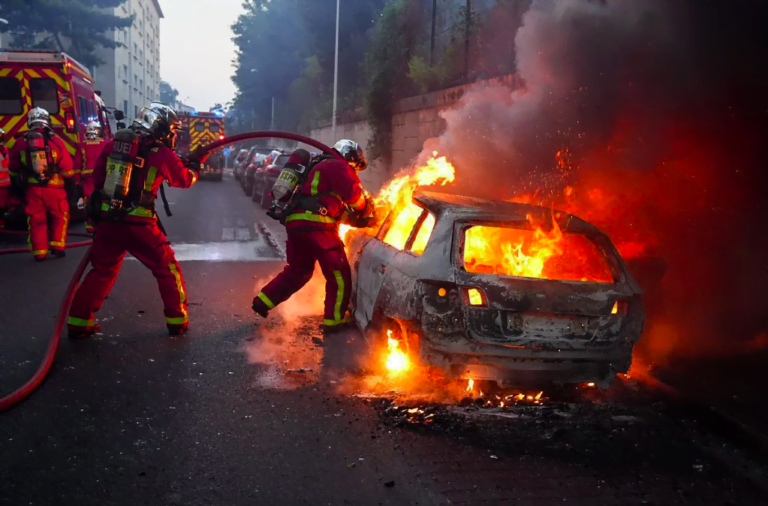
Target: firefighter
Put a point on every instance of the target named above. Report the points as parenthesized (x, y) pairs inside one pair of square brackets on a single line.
[(94, 139), (5, 178), (330, 188), (44, 166), (127, 176)]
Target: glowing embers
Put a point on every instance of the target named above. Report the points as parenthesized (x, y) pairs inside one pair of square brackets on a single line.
[(534, 253), (397, 360), (499, 398)]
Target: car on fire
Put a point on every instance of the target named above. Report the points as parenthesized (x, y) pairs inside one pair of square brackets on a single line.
[(497, 291)]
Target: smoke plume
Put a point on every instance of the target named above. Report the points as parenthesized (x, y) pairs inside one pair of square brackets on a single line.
[(654, 112)]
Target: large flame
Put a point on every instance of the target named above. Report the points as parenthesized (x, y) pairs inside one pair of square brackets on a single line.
[(397, 361)]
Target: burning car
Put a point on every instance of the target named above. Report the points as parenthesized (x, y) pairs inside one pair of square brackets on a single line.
[(499, 291)]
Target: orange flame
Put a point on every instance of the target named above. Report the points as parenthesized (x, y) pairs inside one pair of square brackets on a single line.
[(470, 385), (397, 360)]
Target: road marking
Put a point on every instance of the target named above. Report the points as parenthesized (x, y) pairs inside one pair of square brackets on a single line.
[(252, 251), (228, 234)]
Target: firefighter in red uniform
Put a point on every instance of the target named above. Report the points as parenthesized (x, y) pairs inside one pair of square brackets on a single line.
[(127, 176), (43, 164), (5, 179), (330, 189), (90, 153)]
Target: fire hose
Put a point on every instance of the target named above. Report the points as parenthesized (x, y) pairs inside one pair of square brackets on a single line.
[(8, 251), (201, 154)]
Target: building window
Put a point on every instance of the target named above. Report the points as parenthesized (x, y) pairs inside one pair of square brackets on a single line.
[(135, 80), (135, 110), (119, 72), (135, 48), (125, 107), (125, 75)]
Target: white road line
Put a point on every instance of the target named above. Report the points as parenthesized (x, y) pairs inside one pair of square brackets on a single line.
[(243, 234), (231, 251), (228, 234)]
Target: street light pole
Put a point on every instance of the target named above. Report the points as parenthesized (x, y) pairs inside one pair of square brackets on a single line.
[(336, 71)]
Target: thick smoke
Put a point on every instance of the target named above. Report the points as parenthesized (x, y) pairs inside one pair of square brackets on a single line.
[(655, 113)]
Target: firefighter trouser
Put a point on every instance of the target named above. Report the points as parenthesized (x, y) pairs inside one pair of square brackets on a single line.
[(47, 212), (5, 193), (148, 244), (87, 191), (303, 250)]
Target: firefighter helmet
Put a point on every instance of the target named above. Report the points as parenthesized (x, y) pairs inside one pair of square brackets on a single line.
[(93, 131), (160, 121), (352, 153), (38, 118)]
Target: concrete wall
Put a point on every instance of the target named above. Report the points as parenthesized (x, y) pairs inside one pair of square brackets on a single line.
[(416, 120)]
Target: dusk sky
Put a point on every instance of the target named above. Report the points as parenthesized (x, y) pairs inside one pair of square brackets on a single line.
[(196, 49)]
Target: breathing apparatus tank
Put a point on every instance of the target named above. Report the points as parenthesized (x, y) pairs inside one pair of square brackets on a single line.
[(38, 155), (120, 164), (287, 182)]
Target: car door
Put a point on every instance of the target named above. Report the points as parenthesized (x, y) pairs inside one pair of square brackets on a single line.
[(388, 258)]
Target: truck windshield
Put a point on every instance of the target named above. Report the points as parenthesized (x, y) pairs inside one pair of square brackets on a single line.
[(10, 96), (45, 94)]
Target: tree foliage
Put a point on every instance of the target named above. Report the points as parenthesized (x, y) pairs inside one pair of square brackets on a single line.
[(168, 94), (78, 27)]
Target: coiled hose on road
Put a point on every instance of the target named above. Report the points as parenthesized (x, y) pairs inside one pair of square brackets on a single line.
[(201, 153)]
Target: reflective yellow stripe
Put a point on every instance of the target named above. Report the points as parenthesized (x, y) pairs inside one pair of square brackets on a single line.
[(177, 321), (58, 244), (150, 179), (359, 203), (39, 252), (315, 182), (339, 294), (266, 300), (79, 322), (179, 287), (310, 217), (333, 323)]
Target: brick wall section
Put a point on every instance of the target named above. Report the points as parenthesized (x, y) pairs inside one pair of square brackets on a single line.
[(416, 120)]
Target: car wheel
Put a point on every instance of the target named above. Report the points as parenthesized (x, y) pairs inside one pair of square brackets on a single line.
[(266, 199)]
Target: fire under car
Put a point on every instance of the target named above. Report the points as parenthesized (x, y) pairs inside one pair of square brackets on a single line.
[(498, 291)]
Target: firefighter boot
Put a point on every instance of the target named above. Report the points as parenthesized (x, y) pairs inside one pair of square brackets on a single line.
[(82, 332), (58, 253), (177, 330), (259, 307)]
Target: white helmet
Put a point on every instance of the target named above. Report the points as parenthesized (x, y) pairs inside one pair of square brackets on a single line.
[(93, 131), (38, 118)]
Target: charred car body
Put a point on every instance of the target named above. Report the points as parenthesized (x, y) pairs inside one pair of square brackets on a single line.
[(423, 276)]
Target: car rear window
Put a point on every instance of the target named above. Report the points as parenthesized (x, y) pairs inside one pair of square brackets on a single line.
[(10, 96), (533, 253), (281, 160), (45, 94)]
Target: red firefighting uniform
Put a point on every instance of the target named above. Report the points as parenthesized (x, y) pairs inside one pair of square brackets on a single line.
[(139, 235), (46, 205), (90, 154), (314, 237), (5, 183)]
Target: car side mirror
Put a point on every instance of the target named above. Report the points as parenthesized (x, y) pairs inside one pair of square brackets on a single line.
[(119, 115)]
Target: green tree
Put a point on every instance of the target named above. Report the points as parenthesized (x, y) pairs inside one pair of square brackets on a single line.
[(77, 27), (168, 94)]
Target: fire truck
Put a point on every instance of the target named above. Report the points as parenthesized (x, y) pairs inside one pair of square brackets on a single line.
[(201, 128), (59, 84)]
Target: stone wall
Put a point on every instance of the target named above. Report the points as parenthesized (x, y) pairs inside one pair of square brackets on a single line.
[(416, 120)]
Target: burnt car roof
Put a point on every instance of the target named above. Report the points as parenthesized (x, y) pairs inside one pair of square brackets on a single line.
[(471, 208)]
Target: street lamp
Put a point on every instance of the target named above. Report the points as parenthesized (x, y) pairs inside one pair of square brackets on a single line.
[(336, 72)]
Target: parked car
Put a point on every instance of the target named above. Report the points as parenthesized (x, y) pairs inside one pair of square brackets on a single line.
[(423, 277), (250, 172), (264, 178), (239, 159)]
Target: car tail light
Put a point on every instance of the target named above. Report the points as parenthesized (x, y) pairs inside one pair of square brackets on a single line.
[(476, 297), (221, 137), (619, 308), (69, 120)]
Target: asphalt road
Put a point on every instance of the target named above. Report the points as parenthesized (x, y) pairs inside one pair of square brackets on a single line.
[(236, 414)]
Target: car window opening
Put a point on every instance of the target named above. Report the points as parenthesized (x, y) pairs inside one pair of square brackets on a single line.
[(536, 253), (10, 96), (402, 225), (423, 234), (45, 94)]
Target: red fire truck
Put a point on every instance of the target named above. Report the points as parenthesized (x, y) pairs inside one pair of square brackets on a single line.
[(59, 84)]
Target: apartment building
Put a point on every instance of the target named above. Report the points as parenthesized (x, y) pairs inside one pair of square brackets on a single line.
[(130, 75)]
